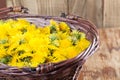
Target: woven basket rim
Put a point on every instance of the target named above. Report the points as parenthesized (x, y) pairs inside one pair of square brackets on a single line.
[(51, 68)]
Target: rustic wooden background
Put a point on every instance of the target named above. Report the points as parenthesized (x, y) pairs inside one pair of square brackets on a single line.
[(105, 63), (104, 13)]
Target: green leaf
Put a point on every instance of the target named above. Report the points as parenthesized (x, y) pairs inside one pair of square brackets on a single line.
[(21, 52), (82, 35), (6, 47), (56, 43), (51, 51), (76, 35), (23, 30), (53, 29), (21, 42), (3, 41), (26, 59), (53, 37), (6, 59)]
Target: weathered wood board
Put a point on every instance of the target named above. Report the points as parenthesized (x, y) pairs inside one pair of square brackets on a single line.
[(88, 9), (42, 7), (111, 13), (105, 63), (3, 3), (103, 13)]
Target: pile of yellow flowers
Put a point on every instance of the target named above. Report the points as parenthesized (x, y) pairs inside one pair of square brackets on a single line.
[(23, 44)]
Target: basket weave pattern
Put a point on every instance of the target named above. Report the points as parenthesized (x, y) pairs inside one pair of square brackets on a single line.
[(65, 70)]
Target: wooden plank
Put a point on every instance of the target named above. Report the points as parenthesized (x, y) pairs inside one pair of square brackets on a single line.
[(31, 5), (88, 9), (43, 7), (11, 3), (2, 3), (52, 7), (104, 64), (111, 13), (101, 12)]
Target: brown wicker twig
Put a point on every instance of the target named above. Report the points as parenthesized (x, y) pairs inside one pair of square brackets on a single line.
[(65, 70), (5, 11)]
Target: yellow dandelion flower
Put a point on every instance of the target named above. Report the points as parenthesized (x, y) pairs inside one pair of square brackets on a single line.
[(23, 21), (58, 56), (65, 43), (45, 30), (15, 61), (54, 26), (63, 35), (38, 58), (64, 27), (83, 44), (24, 47), (71, 52), (2, 52), (22, 44)]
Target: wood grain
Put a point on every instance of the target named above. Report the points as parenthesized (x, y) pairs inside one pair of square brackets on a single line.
[(103, 13), (42, 7), (32, 5), (52, 7), (11, 3), (111, 13), (3, 3), (104, 64), (88, 9)]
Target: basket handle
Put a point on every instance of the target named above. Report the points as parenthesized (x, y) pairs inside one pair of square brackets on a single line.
[(18, 9), (70, 16)]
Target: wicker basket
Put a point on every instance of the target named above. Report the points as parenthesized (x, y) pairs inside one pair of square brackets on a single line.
[(65, 70)]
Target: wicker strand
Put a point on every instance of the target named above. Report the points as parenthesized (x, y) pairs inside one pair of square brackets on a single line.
[(65, 70), (44, 68), (14, 9)]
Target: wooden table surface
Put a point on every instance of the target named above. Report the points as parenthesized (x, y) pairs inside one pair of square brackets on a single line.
[(105, 63)]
